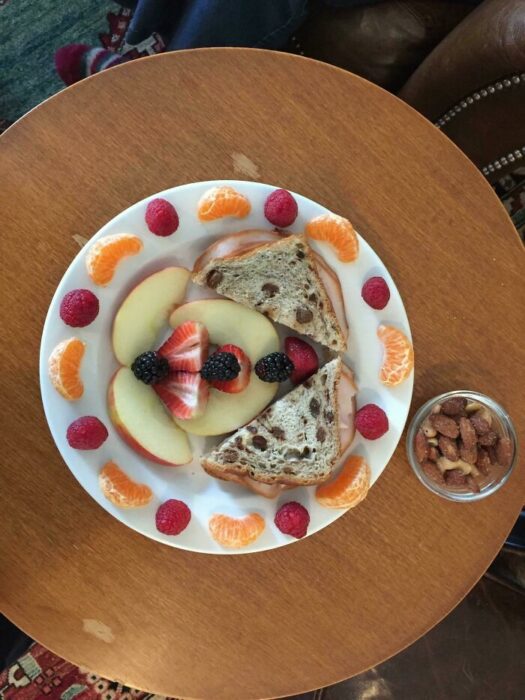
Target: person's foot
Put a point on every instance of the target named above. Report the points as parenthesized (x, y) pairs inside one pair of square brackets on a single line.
[(76, 61)]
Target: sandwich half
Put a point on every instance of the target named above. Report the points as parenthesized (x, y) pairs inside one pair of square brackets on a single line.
[(280, 276), (297, 441)]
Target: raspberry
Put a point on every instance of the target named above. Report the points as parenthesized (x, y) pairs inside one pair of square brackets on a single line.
[(172, 517), (280, 208), (376, 292), (79, 308), (292, 519), (86, 433), (304, 358), (161, 217), (371, 421)]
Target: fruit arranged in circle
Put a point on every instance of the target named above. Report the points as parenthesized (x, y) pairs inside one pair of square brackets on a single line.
[(398, 360), (371, 421), (184, 394), (275, 367), (219, 202), (336, 231), (304, 358), (79, 308), (120, 489), (241, 379), (150, 367), (64, 368), (86, 433), (145, 311), (187, 347), (143, 423), (172, 517), (105, 254), (376, 293), (236, 532), (349, 487), (161, 217), (292, 519), (280, 208), (228, 322)]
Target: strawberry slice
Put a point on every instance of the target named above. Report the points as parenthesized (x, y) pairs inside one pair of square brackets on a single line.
[(241, 381), (185, 394), (304, 359), (187, 347)]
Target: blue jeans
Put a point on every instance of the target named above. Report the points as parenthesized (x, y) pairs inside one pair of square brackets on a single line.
[(186, 24)]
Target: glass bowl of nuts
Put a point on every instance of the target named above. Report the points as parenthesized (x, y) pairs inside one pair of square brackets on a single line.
[(462, 445)]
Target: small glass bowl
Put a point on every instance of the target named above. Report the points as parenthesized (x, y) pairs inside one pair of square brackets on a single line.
[(505, 429)]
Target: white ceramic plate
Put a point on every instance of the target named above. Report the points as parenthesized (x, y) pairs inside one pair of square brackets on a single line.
[(204, 494)]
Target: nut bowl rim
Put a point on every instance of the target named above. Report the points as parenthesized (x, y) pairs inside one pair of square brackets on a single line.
[(502, 415)]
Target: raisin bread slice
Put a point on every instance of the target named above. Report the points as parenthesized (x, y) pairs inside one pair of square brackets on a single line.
[(294, 442), (281, 280)]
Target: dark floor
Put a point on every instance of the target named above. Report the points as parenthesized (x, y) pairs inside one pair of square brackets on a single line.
[(476, 653)]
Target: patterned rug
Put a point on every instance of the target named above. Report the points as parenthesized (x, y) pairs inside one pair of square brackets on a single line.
[(39, 674)]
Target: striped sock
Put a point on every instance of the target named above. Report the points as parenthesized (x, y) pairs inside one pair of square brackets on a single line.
[(76, 61)]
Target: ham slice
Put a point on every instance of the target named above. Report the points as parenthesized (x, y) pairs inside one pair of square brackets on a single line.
[(346, 393), (235, 244), (238, 243), (333, 289)]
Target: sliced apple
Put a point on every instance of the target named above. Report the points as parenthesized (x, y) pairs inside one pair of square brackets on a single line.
[(139, 417), (229, 322), (145, 310)]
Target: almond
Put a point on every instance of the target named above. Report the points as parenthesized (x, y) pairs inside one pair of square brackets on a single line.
[(504, 451), (468, 453), (421, 448), (468, 434), (455, 477), (454, 406), (449, 448), (445, 425), (488, 439), (432, 471), (483, 461)]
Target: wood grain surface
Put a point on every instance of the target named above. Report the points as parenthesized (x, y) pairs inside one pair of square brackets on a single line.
[(298, 617)]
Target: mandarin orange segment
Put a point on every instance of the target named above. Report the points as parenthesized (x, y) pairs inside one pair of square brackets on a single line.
[(236, 532), (104, 255), (64, 368), (120, 489), (336, 231), (219, 202), (398, 360), (348, 488)]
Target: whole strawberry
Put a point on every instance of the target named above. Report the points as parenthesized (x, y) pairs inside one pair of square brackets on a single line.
[(304, 358)]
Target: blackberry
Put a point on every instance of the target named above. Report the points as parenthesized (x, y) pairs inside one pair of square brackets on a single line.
[(275, 367), (223, 366), (150, 367)]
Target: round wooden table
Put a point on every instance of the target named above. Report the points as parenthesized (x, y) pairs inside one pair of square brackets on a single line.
[(326, 608)]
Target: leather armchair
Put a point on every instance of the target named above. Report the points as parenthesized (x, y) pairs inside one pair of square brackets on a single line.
[(461, 66)]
